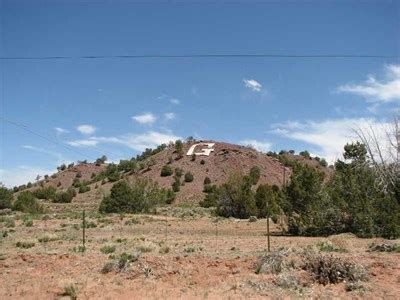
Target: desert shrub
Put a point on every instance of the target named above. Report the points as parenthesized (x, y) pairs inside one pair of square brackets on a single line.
[(47, 193), (112, 173), (47, 238), (84, 189), (328, 269), (384, 247), (108, 267), (5, 197), (65, 197), (140, 196), (78, 174), (166, 170), (189, 177), (207, 180), (178, 172), (107, 249), (26, 202), (61, 167), (170, 197), (253, 219), (202, 162), (70, 291), (208, 188), (176, 184), (287, 281), (271, 263), (164, 250)]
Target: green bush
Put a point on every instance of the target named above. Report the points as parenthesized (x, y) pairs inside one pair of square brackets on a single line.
[(83, 189), (189, 177), (176, 185), (46, 193), (65, 197), (166, 171), (5, 197), (26, 202), (255, 174), (141, 196), (178, 172), (236, 198), (207, 180)]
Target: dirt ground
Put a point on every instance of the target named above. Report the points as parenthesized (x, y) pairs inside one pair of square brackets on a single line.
[(187, 254)]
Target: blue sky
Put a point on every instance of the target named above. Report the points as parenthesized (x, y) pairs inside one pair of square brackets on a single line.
[(118, 107)]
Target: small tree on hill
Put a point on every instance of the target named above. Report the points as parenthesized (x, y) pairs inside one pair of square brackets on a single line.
[(189, 177), (166, 171), (255, 174), (179, 148), (5, 197)]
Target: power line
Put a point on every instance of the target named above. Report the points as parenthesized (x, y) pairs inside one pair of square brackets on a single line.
[(24, 127), (200, 55)]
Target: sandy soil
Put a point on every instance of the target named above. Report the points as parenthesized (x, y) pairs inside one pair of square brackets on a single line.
[(206, 259)]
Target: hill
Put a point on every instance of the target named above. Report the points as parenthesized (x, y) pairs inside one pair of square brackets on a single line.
[(212, 159)]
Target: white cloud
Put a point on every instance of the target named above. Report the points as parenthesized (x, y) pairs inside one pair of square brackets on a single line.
[(169, 116), (60, 130), (83, 143), (145, 118), (57, 155), (261, 146), (375, 90), (252, 84), (174, 101), (327, 137), (86, 129), (139, 142), (21, 175)]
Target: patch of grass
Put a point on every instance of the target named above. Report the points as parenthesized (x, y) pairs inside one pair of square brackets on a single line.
[(108, 267), (90, 224), (79, 249), (119, 240), (70, 291), (28, 223), (107, 249), (132, 221), (25, 245), (47, 238), (189, 249), (9, 223), (327, 246), (144, 248), (164, 250)]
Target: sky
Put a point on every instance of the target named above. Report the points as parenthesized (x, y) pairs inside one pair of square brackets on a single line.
[(57, 111)]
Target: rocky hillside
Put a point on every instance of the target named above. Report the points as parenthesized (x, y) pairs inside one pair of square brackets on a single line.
[(212, 159)]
